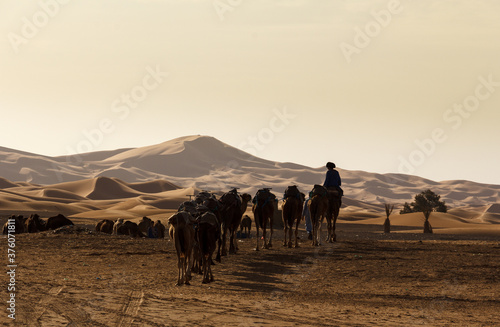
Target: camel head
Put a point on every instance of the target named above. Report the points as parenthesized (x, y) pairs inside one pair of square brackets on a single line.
[(172, 221), (245, 197)]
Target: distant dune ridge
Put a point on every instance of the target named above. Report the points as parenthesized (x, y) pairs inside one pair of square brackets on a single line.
[(152, 179)]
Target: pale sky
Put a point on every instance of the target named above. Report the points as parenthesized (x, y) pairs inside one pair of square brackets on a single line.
[(366, 84)]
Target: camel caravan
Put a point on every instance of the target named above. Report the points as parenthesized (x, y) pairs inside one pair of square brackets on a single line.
[(35, 224), (202, 226), (208, 225)]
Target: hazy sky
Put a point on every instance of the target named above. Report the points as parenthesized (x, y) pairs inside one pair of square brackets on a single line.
[(381, 86)]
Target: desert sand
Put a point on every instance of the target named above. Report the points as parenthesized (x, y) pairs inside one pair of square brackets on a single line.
[(367, 278), (84, 278)]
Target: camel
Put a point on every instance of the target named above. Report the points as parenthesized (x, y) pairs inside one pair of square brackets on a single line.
[(181, 232), (245, 199), (58, 221), (233, 207), (207, 233), (246, 225), (129, 228), (263, 211), (318, 206), (215, 207), (104, 226), (144, 225), (19, 225), (117, 225), (160, 229), (35, 224), (292, 213)]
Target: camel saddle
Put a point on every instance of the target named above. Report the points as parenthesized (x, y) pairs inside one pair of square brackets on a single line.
[(335, 191), (208, 218), (319, 190), (292, 191), (231, 198), (188, 218), (188, 206), (264, 195)]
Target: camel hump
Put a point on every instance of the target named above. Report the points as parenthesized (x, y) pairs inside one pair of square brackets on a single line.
[(231, 198), (188, 206), (264, 195), (319, 190), (180, 218), (292, 191), (208, 218), (188, 218)]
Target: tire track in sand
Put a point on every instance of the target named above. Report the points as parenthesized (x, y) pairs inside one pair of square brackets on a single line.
[(44, 303), (131, 308)]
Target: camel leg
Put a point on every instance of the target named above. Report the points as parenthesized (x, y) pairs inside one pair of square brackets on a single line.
[(264, 235), (290, 236), (179, 269), (319, 230), (205, 269), (285, 229), (232, 249), (270, 244), (335, 216), (218, 257), (210, 276), (187, 265), (313, 230), (224, 239), (315, 234), (297, 232), (334, 236), (203, 281), (183, 268), (257, 238), (265, 245), (329, 229), (235, 242)]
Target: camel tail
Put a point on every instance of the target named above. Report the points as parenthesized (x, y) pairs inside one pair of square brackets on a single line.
[(313, 210), (260, 214), (203, 240), (288, 211), (182, 239)]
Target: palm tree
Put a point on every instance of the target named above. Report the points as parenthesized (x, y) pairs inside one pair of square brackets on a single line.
[(427, 226), (387, 224)]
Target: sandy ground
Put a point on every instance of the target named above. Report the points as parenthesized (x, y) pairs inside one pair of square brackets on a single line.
[(367, 278)]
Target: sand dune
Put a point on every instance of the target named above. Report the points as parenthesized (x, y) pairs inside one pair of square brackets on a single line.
[(154, 186), (154, 180), (494, 208), (437, 219), (93, 198), (59, 194), (6, 184), (109, 188), (206, 163)]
